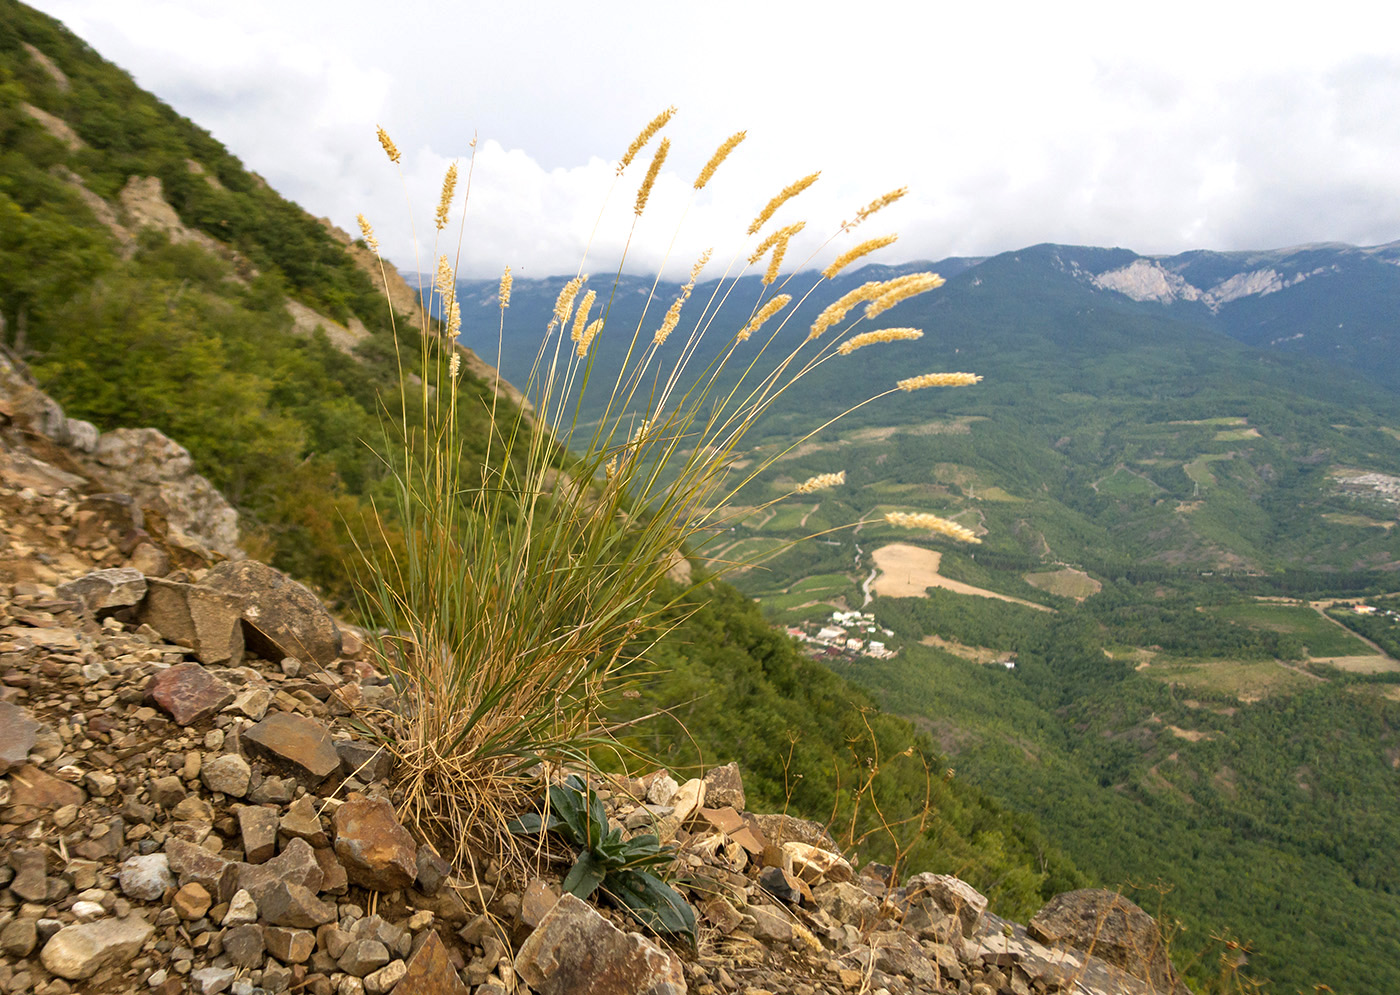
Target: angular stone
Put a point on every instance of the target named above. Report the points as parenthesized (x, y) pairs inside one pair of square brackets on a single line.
[(30, 881), (688, 799), (333, 878), (363, 957), (285, 904), (19, 938), (251, 702), (616, 963), (149, 560), (188, 862), (193, 809), (241, 910), (365, 762), (386, 978), (105, 591), (282, 617), (430, 971), (206, 621), (781, 884), (377, 852), (168, 791), (769, 925), (813, 864), (432, 870), (661, 788), (78, 952), (273, 790), (192, 901), (303, 822), (290, 946), (296, 864), (189, 693), (725, 787), (540, 896), (949, 894), (780, 829), (228, 774), (295, 745), (212, 980), (257, 826), (244, 946), (146, 878), (18, 731), (1116, 929), (34, 794), (847, 903)]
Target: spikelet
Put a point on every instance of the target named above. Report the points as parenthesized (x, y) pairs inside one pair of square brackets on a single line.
[(644, 191), (878, 204), (610, 469), (938, 380), (900, 289), (821, 482), (883, 335), (390, 149), (454, 365), (834, 312), (931, 523), (781, 235), (673, 314), (788, 192), (851, 255), (454, 319), (657, 123), (564, 303), (444, 279), (720, 155), (581, 319), (367, 233), (589, 334), (504, 292), (767, 311), (449, 187)]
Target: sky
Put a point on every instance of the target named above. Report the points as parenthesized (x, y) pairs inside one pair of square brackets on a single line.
[(1156, 127)]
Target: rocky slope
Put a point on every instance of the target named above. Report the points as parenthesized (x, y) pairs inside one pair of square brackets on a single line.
[(185, 805)]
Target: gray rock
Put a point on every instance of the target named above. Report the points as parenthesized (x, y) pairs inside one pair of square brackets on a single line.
[(618, 963), (953, 896), (366, 762), (296, 864), (725, 786), (302, 821), (29, 882), (168, 791), (363, 957), (257, 825), (203, 619), (284, 619), (286, 904), (18, 731), (228, 774), (386, 978), (295, 745), (188, 862), (78, 952), (241, 910), (105, 591), (146, 878), (212, 980), (1115, 929), (244, 946)]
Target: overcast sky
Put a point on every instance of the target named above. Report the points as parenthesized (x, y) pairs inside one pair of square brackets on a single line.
[(1157, 127)]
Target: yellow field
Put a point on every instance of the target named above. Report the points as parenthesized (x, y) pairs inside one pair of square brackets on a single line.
[(1066, 583), (907, 571)]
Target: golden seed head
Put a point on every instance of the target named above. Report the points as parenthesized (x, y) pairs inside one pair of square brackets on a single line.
[(821, 482), (564, 304), (657, 123), (837, 310), (788, 192), (764, 313), (851, 255), (444, 280), (454, 319), (878, 204), (902, 288), (390, 149), (454, 366), (504, 292), (931, 523), (700, 264), (938, 380), (589, 334), (367, 233), (673, 314), (581, 319), (872, 338), (449, 187), (644, 191), (720, 155), (610, 468), (781, 235)]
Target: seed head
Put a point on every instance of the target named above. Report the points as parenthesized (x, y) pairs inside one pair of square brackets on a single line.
[(449, 187), (673, 314), (644, 191), (872, 338), (444, 280), (931, 523), (767, 311), (581, 319), (504, 292), (788, 192), (821, 482), (454, 365), (367, 233), (720, 155), (657, 123), (454, 319), (902, 288), (564, 303), (851, 255), (837, 310), (390, 149), (586, 339), (938, 380), (878, 204)]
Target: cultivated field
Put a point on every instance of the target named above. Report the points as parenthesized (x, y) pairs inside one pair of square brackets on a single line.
[(906, 571)]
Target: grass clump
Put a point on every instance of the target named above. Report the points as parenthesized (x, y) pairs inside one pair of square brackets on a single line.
[(526, 585)]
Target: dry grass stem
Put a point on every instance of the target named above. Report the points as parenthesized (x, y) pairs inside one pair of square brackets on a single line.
[(858, 252), (721, 153), (873, 338), (788, 192), (564, 303), (835, 312), (586, 338)]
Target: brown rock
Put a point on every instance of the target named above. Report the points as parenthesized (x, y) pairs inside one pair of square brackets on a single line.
[(192, 901), (780, 829), (77, 952), (190, 863), (725, 787), (282, 617), (377, 852), (205, 620), (244, 946), (34, 794), (577, 950), (430, 972), (540, 896), (1114, 928), (286, 904), (813, 864), (334, 880), (296, 864), (257, 826), (295, 745), (847, 903), (290, 946), (303, 822), (189, 693), (18, 730)]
